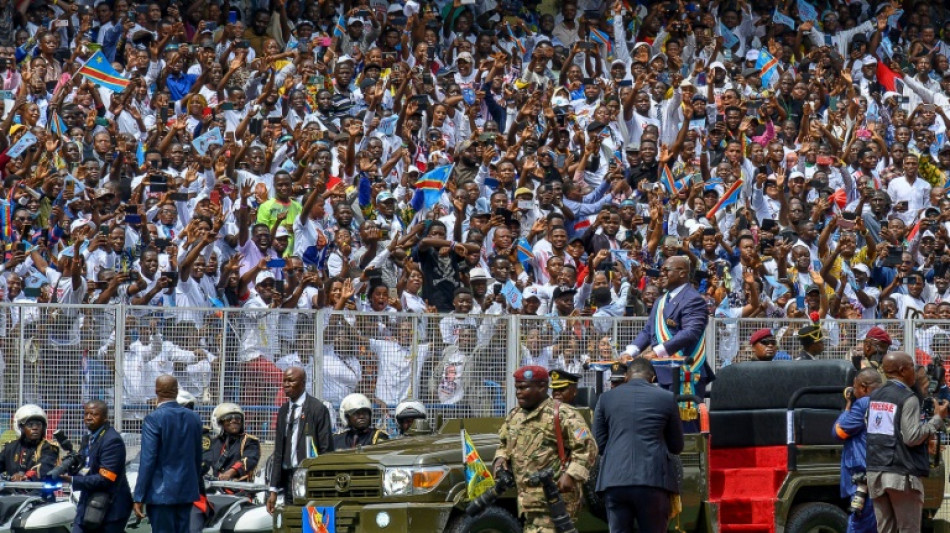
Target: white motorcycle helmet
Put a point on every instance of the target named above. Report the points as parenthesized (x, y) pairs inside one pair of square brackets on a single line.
[(410, 410), (186, 399), (352, 403), (221, 411), (25, 413)]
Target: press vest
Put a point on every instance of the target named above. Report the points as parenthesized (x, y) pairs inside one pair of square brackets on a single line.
[(886, 451)]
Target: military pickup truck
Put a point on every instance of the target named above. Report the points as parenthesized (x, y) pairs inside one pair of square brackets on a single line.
[(746, 473)]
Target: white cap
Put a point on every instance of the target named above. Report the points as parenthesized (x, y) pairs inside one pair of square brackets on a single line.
[(890, 94), (282, 232), (80, 222), (263, 276), (477, 274), (861, 267), (796, 174), (752, 55), (530, 292), (868, 61)]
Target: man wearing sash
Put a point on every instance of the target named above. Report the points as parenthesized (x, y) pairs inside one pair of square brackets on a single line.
[(674, 338)]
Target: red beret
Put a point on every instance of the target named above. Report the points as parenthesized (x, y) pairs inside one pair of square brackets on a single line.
[(878, 334), (760, 335), (531, 373)]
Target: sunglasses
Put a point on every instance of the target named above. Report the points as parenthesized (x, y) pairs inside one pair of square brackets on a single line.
[(768, 342)]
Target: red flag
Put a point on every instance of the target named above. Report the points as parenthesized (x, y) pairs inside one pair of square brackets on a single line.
[(887, 77)]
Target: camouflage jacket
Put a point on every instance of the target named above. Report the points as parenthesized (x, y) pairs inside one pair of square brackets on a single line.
[(529, 444)]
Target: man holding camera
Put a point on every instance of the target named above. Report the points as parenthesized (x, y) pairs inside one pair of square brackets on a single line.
[(851, 428), (542, 433), (106, 499), (897, 455)]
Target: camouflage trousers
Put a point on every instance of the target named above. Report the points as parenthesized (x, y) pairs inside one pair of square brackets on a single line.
[(539, 521)]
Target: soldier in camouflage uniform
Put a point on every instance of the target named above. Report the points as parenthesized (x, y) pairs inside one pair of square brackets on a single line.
[(529, 444)]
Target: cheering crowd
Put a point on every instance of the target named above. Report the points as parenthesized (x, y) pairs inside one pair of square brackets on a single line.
[(472, 158)]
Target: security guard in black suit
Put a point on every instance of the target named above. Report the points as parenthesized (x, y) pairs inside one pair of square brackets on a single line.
[(31, 456), (105, 502), (564, 386), (357, 412), (232, 454)]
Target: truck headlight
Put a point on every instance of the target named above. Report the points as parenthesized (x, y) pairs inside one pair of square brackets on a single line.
[(397, 481), (299, 483), (401, 481)]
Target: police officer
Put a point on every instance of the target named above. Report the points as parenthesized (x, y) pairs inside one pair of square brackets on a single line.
[(564, 386), (233, 454), (408, 412), (851, 427), (897, 446), (528, 444), (31, 456), (813, 342), (356, 412), (102, 478)]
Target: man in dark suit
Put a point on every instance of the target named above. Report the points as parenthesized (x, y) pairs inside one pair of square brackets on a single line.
[(170, 462), (303, 418), (103, 472), (680, 316), (637, 427)]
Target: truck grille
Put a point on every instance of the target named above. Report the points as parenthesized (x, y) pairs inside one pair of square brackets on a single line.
[(336, 484)]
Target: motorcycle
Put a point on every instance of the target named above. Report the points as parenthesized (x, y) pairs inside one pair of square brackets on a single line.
[(36, 511), (232, 513)]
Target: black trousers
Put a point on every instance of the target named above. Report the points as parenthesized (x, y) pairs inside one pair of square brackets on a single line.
[(648, 506)]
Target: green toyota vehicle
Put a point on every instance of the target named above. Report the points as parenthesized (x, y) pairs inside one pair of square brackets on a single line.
[(766, 461)]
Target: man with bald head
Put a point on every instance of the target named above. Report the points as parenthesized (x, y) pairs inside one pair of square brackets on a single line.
[(674, 336), (170, 462), (303, 431), (897, 456)]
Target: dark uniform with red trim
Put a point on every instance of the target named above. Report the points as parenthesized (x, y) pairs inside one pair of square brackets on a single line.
[(240, 453), (351, 438), (103, 471), (32, 460)]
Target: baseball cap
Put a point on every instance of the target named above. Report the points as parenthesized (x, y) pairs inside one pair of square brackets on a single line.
[(564, 290), (263, 276), (523, 190), (530, 292), (282, 232), (465, 56), (384, 196)]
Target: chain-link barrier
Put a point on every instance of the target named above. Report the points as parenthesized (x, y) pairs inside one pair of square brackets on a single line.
[(458, 365)]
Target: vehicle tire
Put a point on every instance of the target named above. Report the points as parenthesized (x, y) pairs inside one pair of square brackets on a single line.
[(817, 517), (492, 520)]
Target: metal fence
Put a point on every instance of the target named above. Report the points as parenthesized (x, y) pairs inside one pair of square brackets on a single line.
[(459, 365)]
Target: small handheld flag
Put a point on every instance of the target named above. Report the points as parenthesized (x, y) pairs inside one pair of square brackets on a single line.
[(670, 184), (99, 71), (730, 197), (602, 38), (767, 67), (432, 182), (525, 255)]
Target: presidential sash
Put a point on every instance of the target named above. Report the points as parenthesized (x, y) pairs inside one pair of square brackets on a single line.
[(691, 371)]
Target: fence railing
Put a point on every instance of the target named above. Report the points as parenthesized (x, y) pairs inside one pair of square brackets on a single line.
[(459, 365)]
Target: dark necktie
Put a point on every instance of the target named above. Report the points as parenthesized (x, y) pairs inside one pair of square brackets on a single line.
[(289, 448)]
